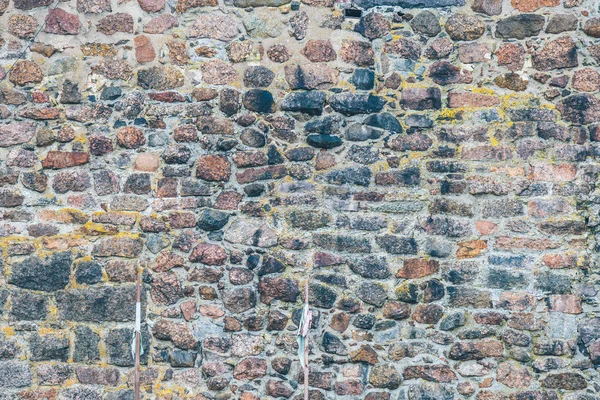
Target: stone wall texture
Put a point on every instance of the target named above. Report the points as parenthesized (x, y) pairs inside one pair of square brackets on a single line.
[(430, 168)]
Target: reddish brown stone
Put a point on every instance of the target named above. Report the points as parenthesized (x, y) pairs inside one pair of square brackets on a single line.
[(213, 168), (209, 254), (215, 25), (476, 350), (119, 22), (64, 159), (178, 52), (417, 268), (510, 55), (566, 303), (130, 137), (161, 24), (558, 53), (250, 368), (366, 354), (167, 260), (144, 51), (512, 375), (468, 99), (278, 53), (25, 72), (22, 26), (152, 5), (319, 50), (61, 22), (586, 80), (591, 27), (358, 53), (533, 5)]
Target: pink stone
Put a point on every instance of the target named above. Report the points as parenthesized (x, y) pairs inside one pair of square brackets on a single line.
[(61, 22)]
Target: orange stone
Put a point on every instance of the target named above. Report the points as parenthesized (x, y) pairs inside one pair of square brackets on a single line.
[(418, 268), (471, 248), (532, 5)]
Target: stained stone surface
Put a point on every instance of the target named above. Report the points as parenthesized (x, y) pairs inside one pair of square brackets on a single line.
[(429, 168)]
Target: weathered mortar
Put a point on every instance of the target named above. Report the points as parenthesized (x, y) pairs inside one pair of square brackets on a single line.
[(431, 167)]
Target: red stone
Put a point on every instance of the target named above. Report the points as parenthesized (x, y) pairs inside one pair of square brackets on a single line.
[(213, 168), (64, 159), (61, 22)]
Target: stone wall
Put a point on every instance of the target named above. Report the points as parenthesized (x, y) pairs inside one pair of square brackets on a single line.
[(430, 168)]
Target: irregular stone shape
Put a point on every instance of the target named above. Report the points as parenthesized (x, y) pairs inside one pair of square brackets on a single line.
[(238, 300), (299, 25), (324, 141), (591, 27), (118, 346), (217, 72), (161, 24), (533, 5), (22, 26), (93, 6), (558, 53), (215, 25), (213, 168), (49, 274), (119, 22), (488, 7), (432, 373), (426, 23), (25, 72), (565, 381), (586, 80), (310, 76), (464, 27), (444, 73), (160, 78), (373, 26), (61, 22), (513, 375), (351, 103), (520, 26), (16, 133), (49, 347), (259, 100), (258, 76), (318, 51), (385, 376), (98, 304), (421, 99), (306, 102), (184, 5), (125, 246), (31, 4), (251, 233), (28, 306), (408, 3), (560, 23), (580, 109), (358, 53), (60, 159), (152, 5), (144, 51)]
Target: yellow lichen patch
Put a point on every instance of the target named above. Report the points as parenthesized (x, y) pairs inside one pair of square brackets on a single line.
[(7, 331), (471, 248), (95, 229)]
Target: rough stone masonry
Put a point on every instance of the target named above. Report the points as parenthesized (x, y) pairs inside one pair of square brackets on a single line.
[(430, 168)]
